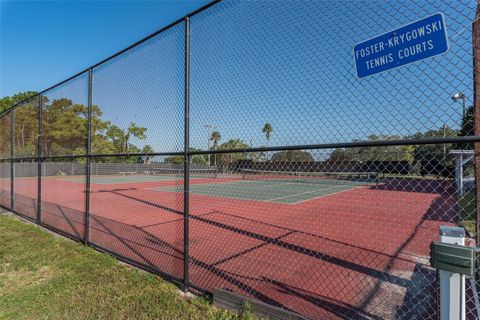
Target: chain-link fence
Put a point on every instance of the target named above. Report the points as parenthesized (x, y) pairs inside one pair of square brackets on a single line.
[(237, 149)]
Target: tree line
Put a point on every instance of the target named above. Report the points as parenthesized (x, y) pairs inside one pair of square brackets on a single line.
[(65, 130), (64, 127)]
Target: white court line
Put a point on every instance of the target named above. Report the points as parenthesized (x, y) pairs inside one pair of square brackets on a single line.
[(306, 192), (267, 184), (273, 183), (325, 195)]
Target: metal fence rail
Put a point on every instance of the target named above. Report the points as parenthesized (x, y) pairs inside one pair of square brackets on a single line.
[(237, 149)]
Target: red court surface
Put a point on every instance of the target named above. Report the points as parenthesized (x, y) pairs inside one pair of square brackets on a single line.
[(359, 254)]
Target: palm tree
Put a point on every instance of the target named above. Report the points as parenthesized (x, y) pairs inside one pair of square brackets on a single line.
[(267, 130), (215, 137)]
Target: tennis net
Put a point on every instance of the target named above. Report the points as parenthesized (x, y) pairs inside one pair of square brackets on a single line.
[(333, 178), (194, 173)]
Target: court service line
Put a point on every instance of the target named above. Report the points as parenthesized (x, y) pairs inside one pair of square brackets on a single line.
[(301, 193), (242, 183), (307, 192), (326, 195), (165, 189), (273, 183), (264, 185)]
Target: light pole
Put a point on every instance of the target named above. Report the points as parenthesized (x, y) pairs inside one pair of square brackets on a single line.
[(444, 135), (458, 96), (208, 126)]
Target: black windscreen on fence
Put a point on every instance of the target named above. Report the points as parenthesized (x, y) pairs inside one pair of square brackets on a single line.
[(238, 149)]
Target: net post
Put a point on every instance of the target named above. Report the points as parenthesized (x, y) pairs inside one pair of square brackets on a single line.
[(88, 160), (39, 158), (186, 160)]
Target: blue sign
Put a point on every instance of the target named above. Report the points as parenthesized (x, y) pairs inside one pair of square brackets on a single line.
[(416, 41)]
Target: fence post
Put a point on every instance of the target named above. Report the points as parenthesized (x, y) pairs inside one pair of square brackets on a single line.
[(186, 160), (476, 116), (12, 165), (39, 158), (88, 160), (476, 109)]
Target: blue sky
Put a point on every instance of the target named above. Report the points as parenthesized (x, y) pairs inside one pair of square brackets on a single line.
[(44, 42), (288, 63)]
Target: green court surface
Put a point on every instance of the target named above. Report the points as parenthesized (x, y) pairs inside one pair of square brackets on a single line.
[(265, 191)]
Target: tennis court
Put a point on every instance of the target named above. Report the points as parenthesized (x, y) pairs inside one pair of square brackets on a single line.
[(308, 187), (282, 187), (264, 233), (147, 176)]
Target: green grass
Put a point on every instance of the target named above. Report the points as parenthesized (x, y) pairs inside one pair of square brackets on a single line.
[(467, 211), (47, 277)]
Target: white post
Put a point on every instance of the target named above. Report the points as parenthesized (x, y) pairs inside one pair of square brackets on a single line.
[(452, 285), (460, 172)]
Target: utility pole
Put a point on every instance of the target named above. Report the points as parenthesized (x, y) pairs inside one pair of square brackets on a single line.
[(458, 96), (444, 135)]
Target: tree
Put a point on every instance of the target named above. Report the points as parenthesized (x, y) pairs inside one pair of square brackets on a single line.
[(363, 154), (26, 124), (467, 128), (434, 156), (215, 137), (468, 123), (117, 137), (267, 130), (292, 155), (121, 138), (25, 129), (147, 149), (343, 155), (4, 137), (100, 141), (199, 159), (228, 158), (195, 159), (64, 127), (7, 101), (137, 132), (175, 160)]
